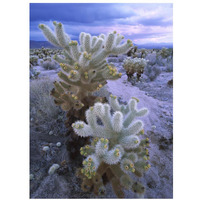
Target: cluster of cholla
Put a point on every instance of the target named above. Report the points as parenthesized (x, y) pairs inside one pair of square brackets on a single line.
[(44, 53), (134, 66), (164, 52), (84, 66), (118, 147)]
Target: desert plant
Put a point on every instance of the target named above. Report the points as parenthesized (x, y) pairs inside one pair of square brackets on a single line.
[(84, 67), (44, 113), (152, 72), (152, 58), (33, 60), (118, 148), (84, 70), (34, 73), (132, 51), (169, 67), (143, 53), (134, 66), (49, 64), (164, 52)]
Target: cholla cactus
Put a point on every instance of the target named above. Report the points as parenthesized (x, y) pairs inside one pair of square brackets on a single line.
[(45, 53), (165, 52), (33, 60), (143, 53), (84, 67), (117, 148), (132, 51), (135, 65)]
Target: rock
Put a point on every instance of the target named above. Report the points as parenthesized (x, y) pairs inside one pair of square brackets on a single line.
[(53, 168), (58, 144), (31, 177), (53, 186), (164, 99), (51, 133), (45, 148), (153, 127)]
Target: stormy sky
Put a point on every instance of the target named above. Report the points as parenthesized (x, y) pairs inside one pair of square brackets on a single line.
[(142, 23)]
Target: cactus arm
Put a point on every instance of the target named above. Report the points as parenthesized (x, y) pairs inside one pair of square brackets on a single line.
[(61, 36), (49, 35), (133, 129)]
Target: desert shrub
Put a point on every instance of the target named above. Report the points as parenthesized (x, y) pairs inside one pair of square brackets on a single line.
[(34, 73), (152, 58), (169, 67), (152, 72), (43, 111), (49, 64)]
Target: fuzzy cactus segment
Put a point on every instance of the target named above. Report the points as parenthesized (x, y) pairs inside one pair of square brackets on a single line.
[(83, 63), (118, 140)]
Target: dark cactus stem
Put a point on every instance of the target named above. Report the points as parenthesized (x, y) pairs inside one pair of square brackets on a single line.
[(74, 142)]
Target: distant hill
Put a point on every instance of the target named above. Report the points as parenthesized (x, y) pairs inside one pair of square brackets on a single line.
[(40, 44), (155, 45)]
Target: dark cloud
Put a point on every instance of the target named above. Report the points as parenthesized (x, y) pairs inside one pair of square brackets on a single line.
[(76, 12)]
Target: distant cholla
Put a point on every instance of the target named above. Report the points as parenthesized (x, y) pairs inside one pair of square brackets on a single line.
[(84, 66), (134, 66), (165, 52), (117, 149), (140, 53), (33, 60), (44, 53)]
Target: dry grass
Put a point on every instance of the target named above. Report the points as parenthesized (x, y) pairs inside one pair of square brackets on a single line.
[(44, 114)]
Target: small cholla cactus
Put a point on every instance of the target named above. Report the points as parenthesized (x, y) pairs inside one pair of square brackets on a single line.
[(134, 66), (84, 66), (132, 51), (164, 52), (118, 148), (143, 53), (33, 60)]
